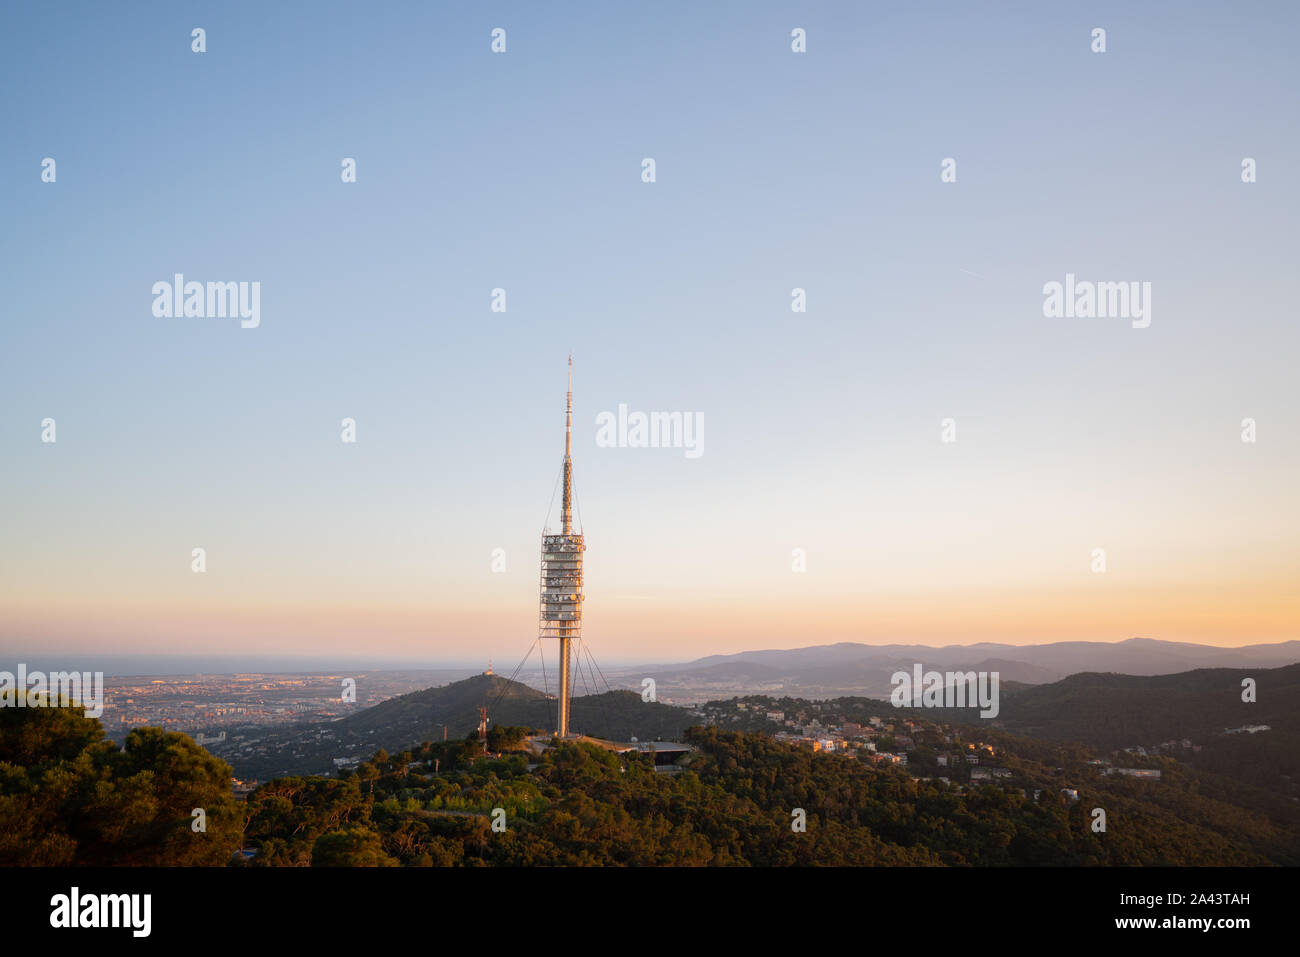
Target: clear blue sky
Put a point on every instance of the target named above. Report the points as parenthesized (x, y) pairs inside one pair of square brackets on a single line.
[(522, 171)]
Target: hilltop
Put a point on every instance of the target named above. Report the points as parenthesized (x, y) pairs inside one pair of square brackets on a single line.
[(1116, 710)]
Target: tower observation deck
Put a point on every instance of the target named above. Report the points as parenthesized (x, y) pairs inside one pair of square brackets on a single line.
[(561, 586)]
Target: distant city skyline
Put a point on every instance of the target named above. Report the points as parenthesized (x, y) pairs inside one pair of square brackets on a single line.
[(825, 504)]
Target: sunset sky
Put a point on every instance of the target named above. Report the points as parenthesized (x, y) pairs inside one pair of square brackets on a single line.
[(522, 171)]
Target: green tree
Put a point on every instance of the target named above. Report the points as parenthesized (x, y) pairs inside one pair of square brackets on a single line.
[(69, 796), (350, 847)]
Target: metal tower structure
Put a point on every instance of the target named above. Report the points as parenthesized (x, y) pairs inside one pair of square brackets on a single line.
[(561, 604)]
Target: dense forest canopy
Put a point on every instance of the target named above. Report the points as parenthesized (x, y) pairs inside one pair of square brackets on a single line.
[(70, 796)]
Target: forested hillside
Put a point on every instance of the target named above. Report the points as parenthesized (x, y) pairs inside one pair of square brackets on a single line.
[(68, 796), (735, 804)]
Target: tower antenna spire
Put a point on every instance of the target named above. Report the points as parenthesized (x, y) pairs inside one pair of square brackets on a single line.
[(567, 512)]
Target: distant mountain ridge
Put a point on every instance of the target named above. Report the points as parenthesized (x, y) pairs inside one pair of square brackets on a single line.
[(867, 668)]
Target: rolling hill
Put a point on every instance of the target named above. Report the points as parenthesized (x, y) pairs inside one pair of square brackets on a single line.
[(407, 720), (1113, 711)]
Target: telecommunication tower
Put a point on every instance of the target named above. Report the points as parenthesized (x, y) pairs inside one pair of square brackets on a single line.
[(561, 602)]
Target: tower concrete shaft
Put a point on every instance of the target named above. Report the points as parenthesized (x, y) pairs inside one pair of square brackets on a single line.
[(561, 603)]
